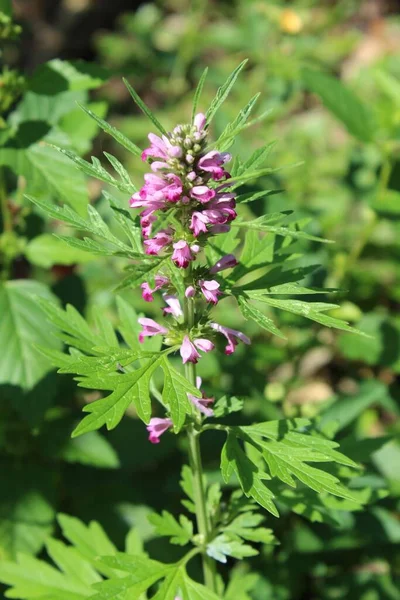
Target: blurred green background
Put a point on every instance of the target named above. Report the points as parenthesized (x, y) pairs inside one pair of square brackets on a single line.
[(346, 188)]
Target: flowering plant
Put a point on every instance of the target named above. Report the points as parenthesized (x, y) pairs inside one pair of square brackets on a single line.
[(188, 247)]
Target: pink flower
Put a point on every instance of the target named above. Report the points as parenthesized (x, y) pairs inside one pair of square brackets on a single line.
[(182, 254), (226, 262), (147, 293), (188, 349), (198, 223), (158, 189), (232, 336), (199, 121), (190, 291), (150, 328), (202, 193), (204, 344), (146, 223), (212, 163), (173, 189), (174, 307), (157, 427), (155, 244), (210, 290), (201, 403), (157, 148), (161, 148)]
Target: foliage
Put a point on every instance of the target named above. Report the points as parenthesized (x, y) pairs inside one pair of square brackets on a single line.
[(337, 532)]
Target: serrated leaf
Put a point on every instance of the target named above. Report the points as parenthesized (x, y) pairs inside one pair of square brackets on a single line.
[(180, 532), (47, 250), (94, 225), (142, 574), (310, 310), (120, 169), (256, 160), (23, 323), (247, 527), (228, 135), (343, 103), (287, 453), (223, 92), (198, 91), (44, 171), (145, 109), (261, 224), (27, 490), (239, 584), (175, 390), (117, 135), (192, 590), (94, 169), (227, 544), (110, 410), (227, 405), (233, 459), (251, 312)]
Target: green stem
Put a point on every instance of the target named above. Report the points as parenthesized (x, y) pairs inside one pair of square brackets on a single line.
[(199, 492)]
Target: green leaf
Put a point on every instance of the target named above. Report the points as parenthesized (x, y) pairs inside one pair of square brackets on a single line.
[(257, 159), (227, 137), (120, 169), (59, 75), (227, 544), (310, 310), (145, 109), (233, 459), (91, 449), (239, 584), (117, 135), (94, 225), (251, 312), (144, 271), (166, 525), (176, 388), (80, 128), (23, 324), (287, 453), (227, 405), (33, 578), (261, 224), (72, 327), (192, 590), (96, 170), (198, 91), (46, 250), (110, 410), (45, 171), (343, 103), (223, 92), (142, 574), (90, 540), (247, 527), (26, 509)]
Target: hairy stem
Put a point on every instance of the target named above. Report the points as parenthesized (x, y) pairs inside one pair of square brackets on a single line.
[(202, 517)]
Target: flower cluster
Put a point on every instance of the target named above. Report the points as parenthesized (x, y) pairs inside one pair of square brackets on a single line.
[(189, 191), (188, 182)]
